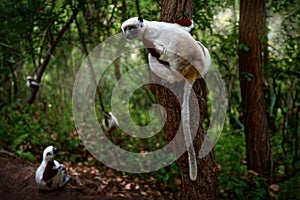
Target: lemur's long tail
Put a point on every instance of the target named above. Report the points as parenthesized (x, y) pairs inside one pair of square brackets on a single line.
[(185, 117)]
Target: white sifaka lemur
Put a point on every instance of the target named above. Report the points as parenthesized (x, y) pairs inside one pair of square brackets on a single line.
[(51, 175), (110, 121), (174, 56)]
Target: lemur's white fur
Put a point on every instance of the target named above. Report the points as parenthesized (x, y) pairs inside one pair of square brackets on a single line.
[(30, 81), (134, 21), (110, 122), (51, 175), (186, 59)]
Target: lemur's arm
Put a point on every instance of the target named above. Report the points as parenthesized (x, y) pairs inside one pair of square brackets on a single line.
[(157, 50), (164, 72)]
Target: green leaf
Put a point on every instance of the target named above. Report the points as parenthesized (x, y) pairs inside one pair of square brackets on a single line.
[(166, 178), (4, 45), (244, 47), (19, 140), (26, 155), (248, 76)]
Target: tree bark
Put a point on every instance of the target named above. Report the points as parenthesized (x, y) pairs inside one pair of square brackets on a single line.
[(205, 185), (259, 158)]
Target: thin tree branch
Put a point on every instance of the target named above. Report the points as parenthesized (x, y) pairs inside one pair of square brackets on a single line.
[(42, 67), (137, 4), (90, 64)]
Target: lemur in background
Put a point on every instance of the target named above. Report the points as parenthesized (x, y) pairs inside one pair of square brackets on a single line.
[(174, 56)]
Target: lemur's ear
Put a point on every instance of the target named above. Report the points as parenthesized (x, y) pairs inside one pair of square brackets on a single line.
[(140, 19)]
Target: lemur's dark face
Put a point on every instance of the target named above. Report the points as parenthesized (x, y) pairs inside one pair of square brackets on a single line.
[(49, 153), (133, 28), (131, 32)]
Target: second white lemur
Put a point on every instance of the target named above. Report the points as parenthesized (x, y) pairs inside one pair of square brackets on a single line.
[(174, 56), (110, 121)]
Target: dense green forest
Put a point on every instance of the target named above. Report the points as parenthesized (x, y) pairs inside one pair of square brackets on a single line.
[(49, 40)]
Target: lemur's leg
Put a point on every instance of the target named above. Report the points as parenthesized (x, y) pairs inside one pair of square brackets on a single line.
[(174, 67), (161, 70), (204, 62)]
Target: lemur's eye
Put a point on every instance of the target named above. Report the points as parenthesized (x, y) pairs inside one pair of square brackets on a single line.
[(48, 154), (130, 28)]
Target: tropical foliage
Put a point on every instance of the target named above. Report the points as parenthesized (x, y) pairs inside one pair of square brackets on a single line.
[(29, 29)]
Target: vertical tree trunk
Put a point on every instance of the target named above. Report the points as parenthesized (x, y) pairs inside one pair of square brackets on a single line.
[(205, 186), (251, 28)]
